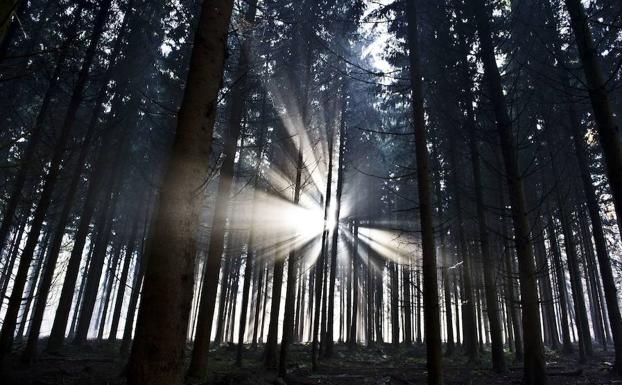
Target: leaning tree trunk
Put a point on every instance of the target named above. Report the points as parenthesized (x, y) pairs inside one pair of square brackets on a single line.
[(37, 130), (30, 351), (609, 136), (609, 285), (45, 199), (534, 363), (198, 363), (608, 131), (430, 283), (157, 353)]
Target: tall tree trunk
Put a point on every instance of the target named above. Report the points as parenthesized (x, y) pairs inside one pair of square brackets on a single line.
[(198, 362), (608, 130), (8, 327), (534, 363), (449, 345), (109, 283), (170, 263), (355, 285), (321, 264), (37, 132), (509, 280), (30, 351), (139, 271), (12, 255), (129, 251), (585, 339), (335, 231), (489, 265), (99, 174), (430, 283), (272, 339), (33, 281), (290, 288), (561, 286), (604, 263), (99, 255)]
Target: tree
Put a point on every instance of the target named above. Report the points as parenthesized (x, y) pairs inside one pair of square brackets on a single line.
[(534, 370), (430, 287), (170, 264)]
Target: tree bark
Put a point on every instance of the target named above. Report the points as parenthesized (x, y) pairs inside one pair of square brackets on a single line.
[(8, 326), (290, 288), (608, 131), (37, 129), (430, 282), (157, 353), (489, 265), (534, 362)]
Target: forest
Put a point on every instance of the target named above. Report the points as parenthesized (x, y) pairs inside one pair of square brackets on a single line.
[(341, 192)]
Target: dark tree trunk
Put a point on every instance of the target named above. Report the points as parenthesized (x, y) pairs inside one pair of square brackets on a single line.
[(32, 287), (489, 265), (170, 262), (139, 271), (129, 251), (290, 289), (198, 363), (430, 282), (37, 130), (109, 283), (8, 326), (355, 286), (609, 285), (335, 233), (30, 351), (561, 286), (272, 339), (534, 362), (608, 131), (99, 255)]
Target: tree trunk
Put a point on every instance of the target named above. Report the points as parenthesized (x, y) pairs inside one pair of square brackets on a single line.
[(608, 131), (534, 362), (129, 251), (609, 285), (99, 255), (139, 271), (198, 363), (489, 265), (8, 326), (30, 351), (561, 286), (335, 232), (430, 283), (109, 283), (355, 286), (290, 289), (37, 129), (170, 263)]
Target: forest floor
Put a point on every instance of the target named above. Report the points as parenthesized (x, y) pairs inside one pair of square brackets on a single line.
[(97, 364)]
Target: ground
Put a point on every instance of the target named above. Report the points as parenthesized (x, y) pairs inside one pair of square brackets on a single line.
[(97, 364)]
